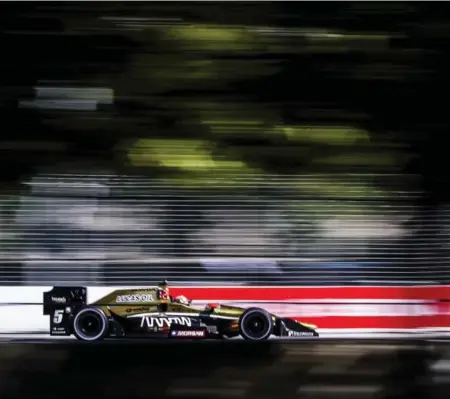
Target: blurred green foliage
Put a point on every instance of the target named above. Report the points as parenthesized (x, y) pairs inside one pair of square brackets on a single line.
[(238, 90)]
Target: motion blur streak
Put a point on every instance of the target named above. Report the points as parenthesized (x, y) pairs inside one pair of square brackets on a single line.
[(203, 132), (233, 369)]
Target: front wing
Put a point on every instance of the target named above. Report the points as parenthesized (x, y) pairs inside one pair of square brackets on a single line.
[(293, 328)]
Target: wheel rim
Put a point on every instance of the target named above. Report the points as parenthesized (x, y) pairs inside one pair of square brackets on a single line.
[(256, 326), (90, 324)]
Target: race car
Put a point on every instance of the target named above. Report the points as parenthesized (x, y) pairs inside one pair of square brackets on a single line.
[(153, 313)]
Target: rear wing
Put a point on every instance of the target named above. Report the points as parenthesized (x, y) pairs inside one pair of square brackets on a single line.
[(62, 297)]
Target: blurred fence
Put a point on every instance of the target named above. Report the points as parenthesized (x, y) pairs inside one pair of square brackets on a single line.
[(334, 229)]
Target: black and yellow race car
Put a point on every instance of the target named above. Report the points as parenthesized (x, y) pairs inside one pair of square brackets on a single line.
[(152, 312)]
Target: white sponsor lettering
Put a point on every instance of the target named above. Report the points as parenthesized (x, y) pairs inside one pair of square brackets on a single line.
[(59, 299), (135, 298), (58, 331), (161, 322), (300, 334), (190, 333)]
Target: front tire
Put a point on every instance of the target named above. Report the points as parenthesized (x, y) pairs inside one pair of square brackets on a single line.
[(256, 324), (90, 324)]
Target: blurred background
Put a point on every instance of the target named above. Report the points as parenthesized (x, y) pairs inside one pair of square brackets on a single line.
[(236, 143)]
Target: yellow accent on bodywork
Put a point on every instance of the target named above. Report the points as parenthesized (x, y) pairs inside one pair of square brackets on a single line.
[(312, 326)]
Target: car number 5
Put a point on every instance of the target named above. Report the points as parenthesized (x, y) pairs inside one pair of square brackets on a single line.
[(58, 316)]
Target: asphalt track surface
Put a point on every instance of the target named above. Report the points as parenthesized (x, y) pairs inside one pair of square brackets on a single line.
[(34, 365)]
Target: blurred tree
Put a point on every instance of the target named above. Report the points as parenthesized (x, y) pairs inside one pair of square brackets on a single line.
[(277, 88)]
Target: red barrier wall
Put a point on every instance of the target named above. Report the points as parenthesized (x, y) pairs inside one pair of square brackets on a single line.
[(360, 307)]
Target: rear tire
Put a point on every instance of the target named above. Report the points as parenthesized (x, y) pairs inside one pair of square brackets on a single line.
[(256, 324), (90, 324)]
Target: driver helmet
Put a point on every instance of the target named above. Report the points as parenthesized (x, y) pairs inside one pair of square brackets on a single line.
[(182, 299)]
